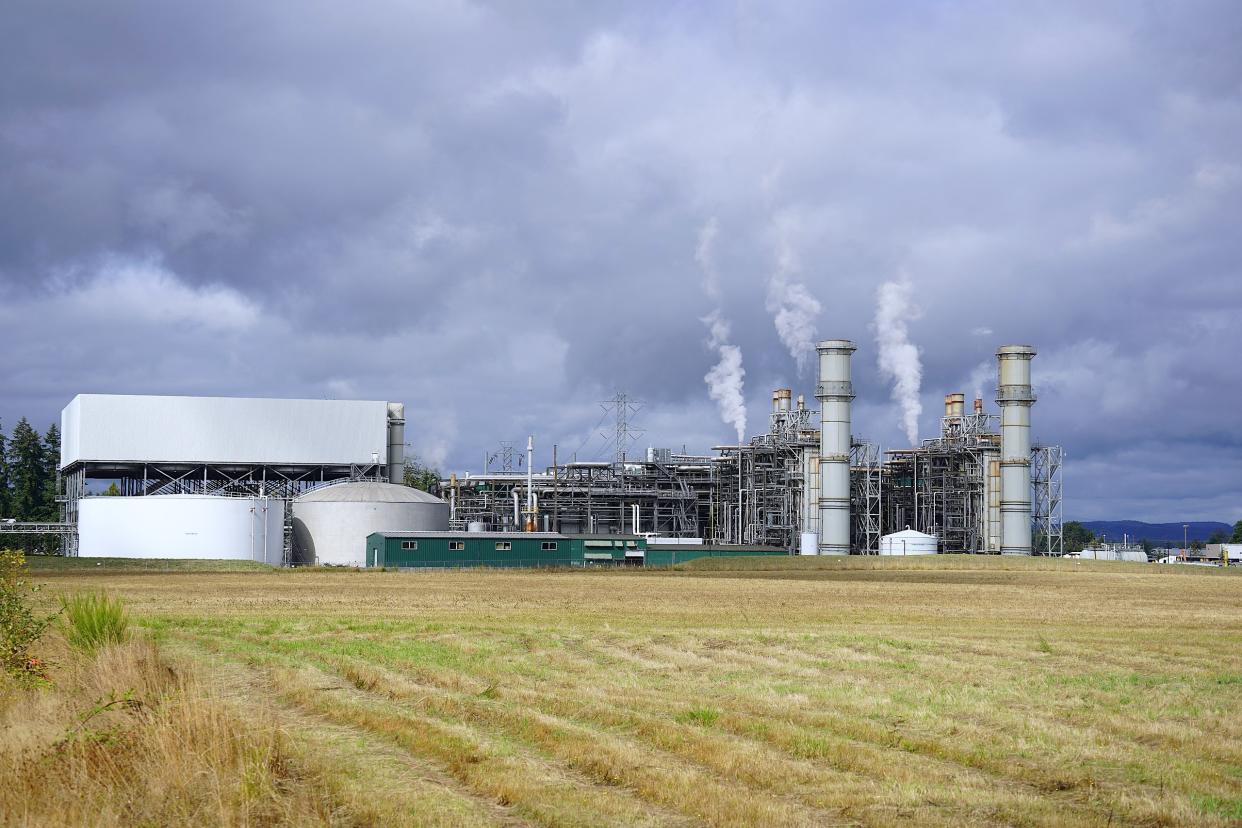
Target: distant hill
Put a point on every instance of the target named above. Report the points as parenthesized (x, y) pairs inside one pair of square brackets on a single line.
[(1155, 532)]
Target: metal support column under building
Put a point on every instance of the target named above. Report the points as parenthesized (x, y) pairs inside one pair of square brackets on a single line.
[(835, 392)]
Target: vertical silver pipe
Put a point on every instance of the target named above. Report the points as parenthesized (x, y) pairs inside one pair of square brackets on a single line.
[(835, 392), (1015, 398), (396, 443), (530, 488)]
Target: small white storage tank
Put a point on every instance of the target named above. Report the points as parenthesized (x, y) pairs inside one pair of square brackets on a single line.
[(182, 526), (908, 542), (331, 523)]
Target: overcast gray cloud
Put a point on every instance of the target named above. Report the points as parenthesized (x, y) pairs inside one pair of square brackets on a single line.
[(491, 211)]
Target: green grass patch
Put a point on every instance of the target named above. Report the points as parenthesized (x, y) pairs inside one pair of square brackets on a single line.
[(1225, 806), (93, 620), (701, 716)]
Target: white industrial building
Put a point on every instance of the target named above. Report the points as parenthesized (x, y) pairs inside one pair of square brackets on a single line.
[(212, 477)]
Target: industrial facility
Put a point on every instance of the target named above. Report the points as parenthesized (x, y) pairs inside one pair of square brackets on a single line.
[(304, 482), (808, 485)]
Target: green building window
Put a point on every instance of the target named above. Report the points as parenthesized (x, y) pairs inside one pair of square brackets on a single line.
[(409, 544), (503, 546), (457, 546), (549, 546)]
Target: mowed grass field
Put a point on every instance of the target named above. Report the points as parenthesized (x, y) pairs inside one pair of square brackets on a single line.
[(943, 691)]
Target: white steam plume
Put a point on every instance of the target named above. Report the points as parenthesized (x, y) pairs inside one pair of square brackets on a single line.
[(899, 358), (793, 307), (724, 380), (979, 377)]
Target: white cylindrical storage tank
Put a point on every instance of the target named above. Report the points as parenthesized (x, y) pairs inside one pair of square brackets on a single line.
[(331, 524), (182, 527), (476, 526), (909, 542), (809, 544)]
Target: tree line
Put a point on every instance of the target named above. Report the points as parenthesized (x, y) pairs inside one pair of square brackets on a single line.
[(28, 466), (1077, 537)]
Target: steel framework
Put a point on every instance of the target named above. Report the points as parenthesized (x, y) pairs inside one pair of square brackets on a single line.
[(219, 479), (1046, 490), (865, 498)]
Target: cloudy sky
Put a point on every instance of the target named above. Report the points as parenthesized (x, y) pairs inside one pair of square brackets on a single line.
[(502, 213)]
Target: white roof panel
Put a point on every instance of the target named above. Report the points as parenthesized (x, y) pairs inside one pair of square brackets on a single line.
[(126, 428)]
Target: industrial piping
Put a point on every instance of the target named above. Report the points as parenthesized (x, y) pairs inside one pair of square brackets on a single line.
[(396, 443), (1015, 398), (835, 393), (530, 483)]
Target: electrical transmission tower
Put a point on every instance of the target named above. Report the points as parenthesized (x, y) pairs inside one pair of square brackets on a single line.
[(504, 457), (624, 431)]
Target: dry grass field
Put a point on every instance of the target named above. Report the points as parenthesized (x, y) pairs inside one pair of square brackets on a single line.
[(864, 692)]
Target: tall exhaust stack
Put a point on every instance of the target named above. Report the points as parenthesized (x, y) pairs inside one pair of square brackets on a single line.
[(835, 392), (1015, 398), (396, 443)]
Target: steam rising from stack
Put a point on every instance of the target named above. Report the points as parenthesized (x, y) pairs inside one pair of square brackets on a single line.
[(793, 307), (724, 380), (979, 377), (899, 358)]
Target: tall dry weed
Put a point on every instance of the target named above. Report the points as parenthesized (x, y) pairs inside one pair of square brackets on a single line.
[(126, 738)]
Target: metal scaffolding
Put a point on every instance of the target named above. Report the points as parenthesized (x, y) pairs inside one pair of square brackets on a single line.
[(757, 493), (1046, 490), (280, 482), (865, 498)]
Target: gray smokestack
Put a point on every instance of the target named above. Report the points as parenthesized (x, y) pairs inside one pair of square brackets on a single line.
[(396, 443), (835, 393), (1015, 398)]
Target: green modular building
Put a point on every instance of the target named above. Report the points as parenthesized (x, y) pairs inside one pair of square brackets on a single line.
[(457, 550)]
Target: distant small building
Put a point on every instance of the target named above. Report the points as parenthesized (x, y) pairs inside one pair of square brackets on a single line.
[(1217, 552), (1110, 552)]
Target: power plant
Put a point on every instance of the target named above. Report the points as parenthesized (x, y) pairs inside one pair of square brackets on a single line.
[(301, 482), (978, 487)]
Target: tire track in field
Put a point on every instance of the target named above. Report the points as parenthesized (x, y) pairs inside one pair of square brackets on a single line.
[(549, 793), (611, 760), (888, 751)]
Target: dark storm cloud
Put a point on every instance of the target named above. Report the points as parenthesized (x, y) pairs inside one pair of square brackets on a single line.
[(491, 212)]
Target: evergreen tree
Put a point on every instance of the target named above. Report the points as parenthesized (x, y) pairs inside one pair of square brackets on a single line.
[(26, 464), (419, 476), (49, 508), (4, 475), (1237, 532), (1076, 536)]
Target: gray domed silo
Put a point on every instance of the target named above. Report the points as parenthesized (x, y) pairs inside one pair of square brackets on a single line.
[(331, 524)]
